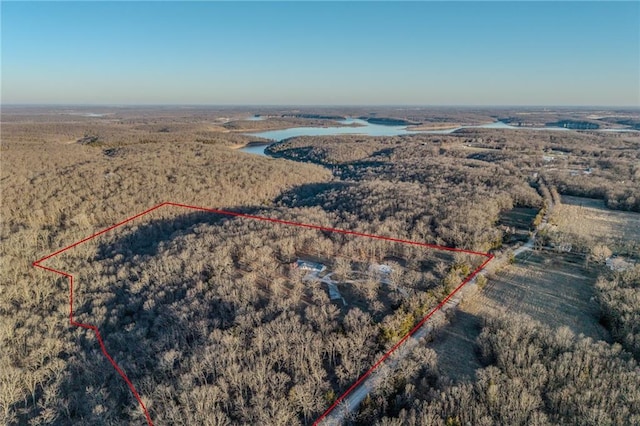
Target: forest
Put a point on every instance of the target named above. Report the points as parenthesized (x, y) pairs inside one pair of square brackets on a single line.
[(580, 164), (213, 323), (227, 319)]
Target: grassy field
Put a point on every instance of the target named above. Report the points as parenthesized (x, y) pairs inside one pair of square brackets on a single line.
[(589, 219), (519, 222), (556, 290)]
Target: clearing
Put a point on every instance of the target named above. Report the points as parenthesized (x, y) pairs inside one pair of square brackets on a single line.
[(581, 219), (554, 289)]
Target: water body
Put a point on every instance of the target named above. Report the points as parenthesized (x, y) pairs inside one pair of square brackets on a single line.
[(368, 129), (363, 128), (255, 149), (87, 114)]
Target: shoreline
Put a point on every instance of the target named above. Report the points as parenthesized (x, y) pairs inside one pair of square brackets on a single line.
[(435, 126), (250, 144)]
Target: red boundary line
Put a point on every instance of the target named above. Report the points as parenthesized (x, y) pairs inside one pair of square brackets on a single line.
[(74, 323)]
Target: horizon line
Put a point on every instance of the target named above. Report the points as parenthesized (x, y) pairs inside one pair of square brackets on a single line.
[(248, 105)]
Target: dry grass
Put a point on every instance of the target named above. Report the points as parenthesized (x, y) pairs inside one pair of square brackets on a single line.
[(589, 219), (557, 290), (554, 290)]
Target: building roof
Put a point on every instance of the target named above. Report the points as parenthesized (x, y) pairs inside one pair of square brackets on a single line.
[(310, 266)]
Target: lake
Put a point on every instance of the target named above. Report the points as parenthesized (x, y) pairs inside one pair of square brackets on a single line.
[(363, 128), (368, 129)]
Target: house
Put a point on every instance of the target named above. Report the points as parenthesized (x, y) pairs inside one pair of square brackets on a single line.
[(381, 269), (334, 293), (307, 265)]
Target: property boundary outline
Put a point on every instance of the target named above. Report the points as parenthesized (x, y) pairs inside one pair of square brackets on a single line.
[(38, 263)]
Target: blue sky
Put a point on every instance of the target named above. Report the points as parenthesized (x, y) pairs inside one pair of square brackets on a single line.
[(412, 53)]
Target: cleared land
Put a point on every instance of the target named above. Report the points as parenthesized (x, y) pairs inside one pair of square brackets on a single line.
[(581, 220), (556, 290), (517, 223), (553, 288)]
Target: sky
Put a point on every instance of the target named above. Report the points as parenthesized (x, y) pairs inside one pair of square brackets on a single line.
[(321, 53)]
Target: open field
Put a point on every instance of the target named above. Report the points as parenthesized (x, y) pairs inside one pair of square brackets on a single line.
[(557, 290), (517, 224), (582, 220)]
